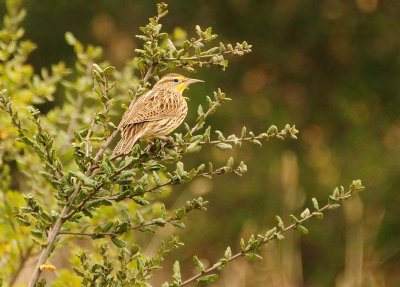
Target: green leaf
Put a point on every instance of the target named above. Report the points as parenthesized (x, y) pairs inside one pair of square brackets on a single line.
[(200, 168), (118, 242), (272, 130), (139, 216), (37, 233), (318, 215), (70, 38), (41, 283), (228, 253), (198, 30), (198, 264), (159, 222), (176, 269), (305, 213), (356, 186), (253, 256), (140, 201), (334, 206), (335, 193), (86, 180), (206, 135), (106, 227), (193, 148), (270, 232), (207, 279), (178, 223), (180, 168), (180, 213), (301, 229), (220, 135), (78, 272), (125, 216), (242, 244), (170, 45), (243, 133), (224, 146), (315, 203), (230, 163), (280, 222), (200, 111)]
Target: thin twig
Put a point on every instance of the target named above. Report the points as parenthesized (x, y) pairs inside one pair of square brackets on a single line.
[(88, 146), (206, 114), (135, 227), (171, 181), (95, 190), (260, 137), (195, 57)]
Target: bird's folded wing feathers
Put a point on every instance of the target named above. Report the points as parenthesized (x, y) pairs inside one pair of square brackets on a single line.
[(149, 107)]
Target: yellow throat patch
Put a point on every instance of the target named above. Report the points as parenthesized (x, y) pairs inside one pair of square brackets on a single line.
[(181, 87)]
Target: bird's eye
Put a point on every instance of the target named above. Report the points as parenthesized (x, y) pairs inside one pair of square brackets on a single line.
[(176, 80)]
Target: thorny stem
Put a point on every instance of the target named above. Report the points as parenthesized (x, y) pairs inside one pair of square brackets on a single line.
[(242, 253), (54, 231)]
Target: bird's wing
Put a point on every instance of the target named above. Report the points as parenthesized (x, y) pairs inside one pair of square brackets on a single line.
[(153, 106)]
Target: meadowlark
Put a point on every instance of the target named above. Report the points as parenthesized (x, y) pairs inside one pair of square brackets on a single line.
[(156, 114)]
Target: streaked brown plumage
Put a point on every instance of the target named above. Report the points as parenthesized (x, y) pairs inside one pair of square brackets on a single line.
[(156, 114)]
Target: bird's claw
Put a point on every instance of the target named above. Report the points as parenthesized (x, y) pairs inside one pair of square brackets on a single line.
[(166, 141)]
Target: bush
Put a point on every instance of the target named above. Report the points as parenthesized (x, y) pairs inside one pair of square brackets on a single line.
[(59, 180)]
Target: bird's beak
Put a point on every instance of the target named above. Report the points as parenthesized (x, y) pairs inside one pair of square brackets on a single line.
[(192, 81)]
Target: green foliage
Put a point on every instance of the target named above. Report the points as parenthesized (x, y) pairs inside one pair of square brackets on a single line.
[(75, 188)]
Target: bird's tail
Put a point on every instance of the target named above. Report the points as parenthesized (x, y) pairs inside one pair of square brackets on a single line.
[(128, 139)]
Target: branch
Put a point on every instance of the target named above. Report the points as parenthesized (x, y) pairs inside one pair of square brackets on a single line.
[(176, 216), (198, 57), (95, 190), (277, 232), (263, 136), (239, 170)]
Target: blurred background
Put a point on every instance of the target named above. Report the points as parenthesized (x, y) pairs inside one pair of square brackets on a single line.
[(332, 67)]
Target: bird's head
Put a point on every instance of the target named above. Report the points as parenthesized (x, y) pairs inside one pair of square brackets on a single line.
[(175, 82)]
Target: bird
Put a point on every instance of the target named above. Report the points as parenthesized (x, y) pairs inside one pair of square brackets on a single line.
[(156, 114)]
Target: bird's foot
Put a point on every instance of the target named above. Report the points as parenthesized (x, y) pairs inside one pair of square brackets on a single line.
[(150, 146), (166, 141)]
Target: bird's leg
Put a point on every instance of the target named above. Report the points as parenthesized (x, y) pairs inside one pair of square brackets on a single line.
[(149, 147), (167, 141)]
